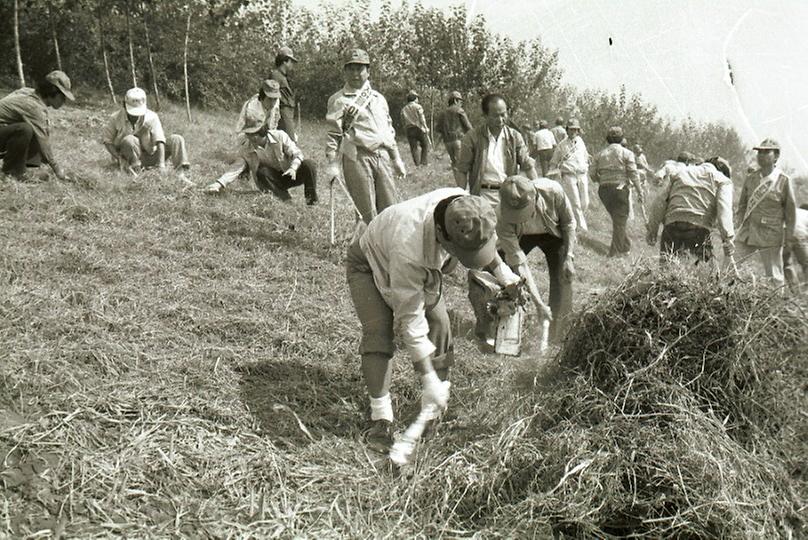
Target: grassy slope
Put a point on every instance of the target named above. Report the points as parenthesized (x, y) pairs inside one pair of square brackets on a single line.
[(174, 363)]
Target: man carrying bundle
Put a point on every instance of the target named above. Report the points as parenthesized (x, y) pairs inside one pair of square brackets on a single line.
[(414, 122), (695, 197), (767, 213), (394, 274), (24, 125), (453, 124), (361, 140)]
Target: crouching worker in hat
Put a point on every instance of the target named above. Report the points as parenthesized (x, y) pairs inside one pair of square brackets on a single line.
[(273, 160), (265, 102), (533, 214), (394, 275), (134, 137), (24, 126)]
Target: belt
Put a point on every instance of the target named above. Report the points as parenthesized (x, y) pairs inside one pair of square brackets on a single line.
[(494, 187)]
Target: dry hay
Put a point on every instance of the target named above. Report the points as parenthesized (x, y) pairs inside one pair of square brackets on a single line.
[(675, 408)]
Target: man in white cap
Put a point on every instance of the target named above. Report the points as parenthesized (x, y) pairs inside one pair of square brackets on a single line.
[(284, 65), (414, 122), (361, 140), (766, 214), (571, 159), (452, 125), (695, 198), (394, 275), (134, 137), (24, 125), (273, 160)]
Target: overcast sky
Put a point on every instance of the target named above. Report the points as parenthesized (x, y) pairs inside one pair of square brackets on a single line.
[(675, 53)]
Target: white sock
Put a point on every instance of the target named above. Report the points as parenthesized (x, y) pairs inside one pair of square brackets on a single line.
[(381, 408)]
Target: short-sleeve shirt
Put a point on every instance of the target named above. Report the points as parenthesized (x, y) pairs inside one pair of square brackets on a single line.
[(25, 105), (148, 129)]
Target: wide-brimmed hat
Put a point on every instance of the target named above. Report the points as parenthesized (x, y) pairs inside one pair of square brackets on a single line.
[(254, 120), (271, 88), (470, 226), (517, 196), (573, 124), (286, 52), (768, 144), (357, 56), (135, 101), (60, 80)]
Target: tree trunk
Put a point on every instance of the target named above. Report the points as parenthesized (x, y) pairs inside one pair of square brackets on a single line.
[(151, 61), (131, 48), (55, 39), (185, 65), (17, 43), (104, 54)]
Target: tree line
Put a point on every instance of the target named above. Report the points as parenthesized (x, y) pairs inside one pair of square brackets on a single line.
[(213, 53)]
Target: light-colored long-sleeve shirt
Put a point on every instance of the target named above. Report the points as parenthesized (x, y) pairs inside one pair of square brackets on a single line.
[(280, 153), (777, 211), (570, 156), (697, 194), (254, 104), (25, 105), (615, 166), (412, 114), (371, 128), (148, 129), (553, 215), (406, 259)]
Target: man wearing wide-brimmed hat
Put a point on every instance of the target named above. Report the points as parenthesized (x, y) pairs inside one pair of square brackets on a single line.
[(452, 125), (571, 160), (767, 213), (414, 122), (361, 140), (24, 125), (534, 214), (134, 137), (695, 198), (284, 65), (273, 160), (394, 272), (615, 171)]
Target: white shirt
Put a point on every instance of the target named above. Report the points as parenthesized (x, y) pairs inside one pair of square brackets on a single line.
[(494, 167), (545, 139)]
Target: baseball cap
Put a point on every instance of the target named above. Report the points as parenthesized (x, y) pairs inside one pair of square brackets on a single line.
[(271, 88), (60, 80), (254, 120), (559, 120), (456, 95), (412, 93), (573, 124), (516, 197), (357, 56), (470, 226), (615, 132), (135, 101), (722, 165), (767, 144), (287, 53)]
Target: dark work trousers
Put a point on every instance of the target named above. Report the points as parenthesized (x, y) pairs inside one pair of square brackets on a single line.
[(419, 145), (287, 122), (269, 179), (19, 146), (616, 203), (560, 295), (681, 237), (544, 160), (453, 149)]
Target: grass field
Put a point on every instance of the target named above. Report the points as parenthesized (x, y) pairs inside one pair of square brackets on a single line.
[(178, 364)]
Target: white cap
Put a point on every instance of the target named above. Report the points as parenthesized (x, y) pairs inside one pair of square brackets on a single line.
[(135, 101)]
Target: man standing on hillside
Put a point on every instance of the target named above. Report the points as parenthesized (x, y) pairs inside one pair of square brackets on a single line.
[(492, 152), (615, 170), (273, 160), (134, 137), (284, 64), (361, 140), (394, 275), (25, 128), (558, 130), (545, 145), (414, 122), (767, 213), (453, 125), (572, 161), (696, 197)]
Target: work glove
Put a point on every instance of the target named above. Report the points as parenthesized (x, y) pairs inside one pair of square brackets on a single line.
[(434, 391), (505, 276), (215, 187), (291, 173)]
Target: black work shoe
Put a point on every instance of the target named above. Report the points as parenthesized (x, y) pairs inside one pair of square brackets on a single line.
[(311, 201), (378, 436)]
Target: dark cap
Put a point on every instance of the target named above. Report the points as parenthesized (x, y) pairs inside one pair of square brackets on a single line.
[(456, 95), (615, 132), (412, 93), (60, 80), (357, 56), (286, 52), (516, 197), (470, 226)]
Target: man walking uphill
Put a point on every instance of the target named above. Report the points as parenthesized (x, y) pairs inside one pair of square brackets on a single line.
[(453, 125), (615, 170), (24, 125), (284, 64), (414, 122), (394, 274), (361, 139)]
